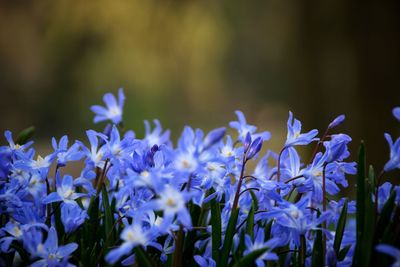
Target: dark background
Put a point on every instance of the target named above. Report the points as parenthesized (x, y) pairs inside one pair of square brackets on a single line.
[(195, 62)]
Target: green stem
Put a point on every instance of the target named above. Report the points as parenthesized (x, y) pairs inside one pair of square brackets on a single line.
[(302, 251)]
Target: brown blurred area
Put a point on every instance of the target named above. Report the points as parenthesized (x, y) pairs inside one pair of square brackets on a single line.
[(195, 62)]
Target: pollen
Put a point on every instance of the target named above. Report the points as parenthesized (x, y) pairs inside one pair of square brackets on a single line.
[(145, 174), (170, 202), (186, 164)]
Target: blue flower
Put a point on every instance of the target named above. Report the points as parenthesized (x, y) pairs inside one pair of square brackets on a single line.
[(294, 135), (254, 148), (204, 261), (391, 251), (396, 113), (296, 219), (213, 137), (113, 112), (338, 120), (259, 243), (132, 236), (26, 162), (155, 137), (314, 179), (65, 191), (336, 148), (173, 203), (394, 161), (63, 153), (94, 155), (117, 148), (243, 128), (72, 216), (51, 253), (12, 147)]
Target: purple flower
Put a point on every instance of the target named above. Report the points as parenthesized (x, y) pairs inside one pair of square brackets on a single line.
[(113, 112)]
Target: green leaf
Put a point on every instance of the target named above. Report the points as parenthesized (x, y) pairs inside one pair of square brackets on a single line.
[(385, 216), (340, 229), (228, 241), (216, 229), (343, 252), (25, 135), (143, 258), (369, 221), (250, 258), (317, 253), (255, 199), (302, 251), (22, 252), (57, 218), (250, 223), (360, 215), (109, 234), (90, 233), (267, 230), (240, 248)]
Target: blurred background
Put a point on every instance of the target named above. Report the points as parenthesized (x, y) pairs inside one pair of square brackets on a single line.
[(195, 62)]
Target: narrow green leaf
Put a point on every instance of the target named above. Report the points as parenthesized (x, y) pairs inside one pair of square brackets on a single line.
[(22, 252), (240, 248), (109, 234), (25, 135), (228, 241), (216, 229), (57, 218), (89, 232), (343, 252), (142, 258), (340, 229), (191, 237), (267, 230), (372, 176), (369, 221), (250, 258), (250, 223), (317, 253), (302, 251), (255, 199), (360, 215), (384, 218)]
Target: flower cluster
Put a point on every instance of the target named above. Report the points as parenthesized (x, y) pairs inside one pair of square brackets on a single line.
[(146, 201)]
